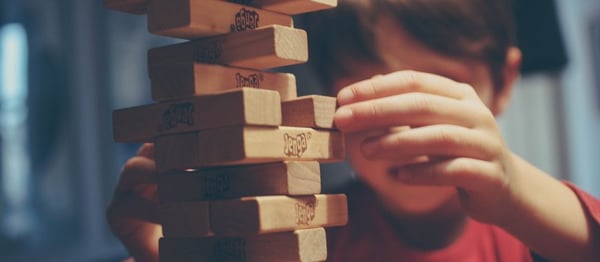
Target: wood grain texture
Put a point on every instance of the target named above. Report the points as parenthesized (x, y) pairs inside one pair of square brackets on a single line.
[(263, 48), (309, 111), (244, 106), (245, 145), (299, 245), (269, 214), (284, 178), (136, 7), (178, 80), (195, 19), (190, 219), (291, 7)]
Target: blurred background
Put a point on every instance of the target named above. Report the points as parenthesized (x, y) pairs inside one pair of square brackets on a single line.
[(66, 64)]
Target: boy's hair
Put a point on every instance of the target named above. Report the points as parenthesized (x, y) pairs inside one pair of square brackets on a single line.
[(481, 30)]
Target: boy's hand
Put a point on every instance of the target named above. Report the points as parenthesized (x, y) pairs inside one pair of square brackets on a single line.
[(450, 127), (133, 212)]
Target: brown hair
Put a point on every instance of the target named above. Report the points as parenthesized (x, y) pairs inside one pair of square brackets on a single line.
[(475, 29)]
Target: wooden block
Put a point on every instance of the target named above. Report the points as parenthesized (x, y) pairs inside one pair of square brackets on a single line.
[(290, 7), (253, 215), (263, 48), (309, 111), (180, 80), (190, 219), (284, 178), (244, 106), (193, 19), (269, 214), (245, 145), (299, 245), (137, 7)]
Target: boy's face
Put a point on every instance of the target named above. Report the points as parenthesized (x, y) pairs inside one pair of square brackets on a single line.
[(401, 52)]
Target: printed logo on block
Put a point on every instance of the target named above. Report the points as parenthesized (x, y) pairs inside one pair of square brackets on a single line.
[(252, 80), (214, 186), (209, 53), (305, 212), (245, 19), (230, 249), (177, 114), (295, 146)]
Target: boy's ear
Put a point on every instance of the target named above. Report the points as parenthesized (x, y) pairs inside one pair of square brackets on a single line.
[(510, 74)]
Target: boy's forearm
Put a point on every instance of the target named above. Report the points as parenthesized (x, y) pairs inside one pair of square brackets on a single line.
[(549, 218)]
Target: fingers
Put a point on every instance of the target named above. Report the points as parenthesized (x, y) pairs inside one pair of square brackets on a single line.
[(435, 140), (409, 98), (135, 205), (403, 82), (146, 150), (467, 173), (138, 170), (136, 191), (135, 222), (133, 213), (412, 109)]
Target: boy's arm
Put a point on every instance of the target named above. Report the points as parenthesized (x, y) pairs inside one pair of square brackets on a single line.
[(549, 217), (450, 122)]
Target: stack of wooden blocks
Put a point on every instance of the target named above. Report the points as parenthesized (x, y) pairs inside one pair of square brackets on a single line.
[(237, 151)]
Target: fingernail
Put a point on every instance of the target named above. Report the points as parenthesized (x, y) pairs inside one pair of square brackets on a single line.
[(345, 96)]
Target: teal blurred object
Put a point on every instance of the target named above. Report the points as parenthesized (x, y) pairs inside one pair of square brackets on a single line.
[(17, 221)]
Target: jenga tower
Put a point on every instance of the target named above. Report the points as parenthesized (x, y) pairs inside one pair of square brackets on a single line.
[(236, 149)]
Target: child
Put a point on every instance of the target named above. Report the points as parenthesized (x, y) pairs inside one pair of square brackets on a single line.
[(418, 83)]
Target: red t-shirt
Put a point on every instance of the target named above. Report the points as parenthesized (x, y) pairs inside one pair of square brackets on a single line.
[(370, 237)]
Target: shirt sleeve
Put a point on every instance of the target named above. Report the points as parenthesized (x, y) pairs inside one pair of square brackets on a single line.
[(590, 204)]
